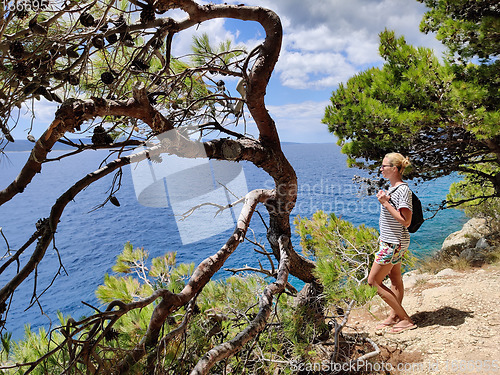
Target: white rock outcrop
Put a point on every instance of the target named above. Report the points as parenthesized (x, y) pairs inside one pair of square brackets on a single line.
[(465, 238)]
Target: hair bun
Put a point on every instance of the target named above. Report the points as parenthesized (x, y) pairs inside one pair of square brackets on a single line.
[(405, 162)]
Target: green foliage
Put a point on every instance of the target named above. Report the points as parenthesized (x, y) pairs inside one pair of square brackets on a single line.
[(139, 281), (6, 346), (237, 291), (343, 255), (35, 345), (162, 273), (470, 30), (467, 28), (55, 55), (130, 259), (218, 57), (126, 289), (32, 347), (223, 308), (473, 192)]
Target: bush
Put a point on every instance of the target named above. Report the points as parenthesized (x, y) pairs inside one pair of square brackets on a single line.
[(343, 255)]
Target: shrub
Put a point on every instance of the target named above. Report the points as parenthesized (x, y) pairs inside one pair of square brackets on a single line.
[(343, 255)]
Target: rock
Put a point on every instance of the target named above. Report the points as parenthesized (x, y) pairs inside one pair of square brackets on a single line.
[(467, 237), (447, 272), (475, 257), (482, 243), (410, 279), (411, 273)]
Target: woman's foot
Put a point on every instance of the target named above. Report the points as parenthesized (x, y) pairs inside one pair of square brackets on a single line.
[(403, 325), (389, 322)]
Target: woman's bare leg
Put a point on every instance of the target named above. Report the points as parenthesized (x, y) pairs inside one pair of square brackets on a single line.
[(397, 288), (376, 278)]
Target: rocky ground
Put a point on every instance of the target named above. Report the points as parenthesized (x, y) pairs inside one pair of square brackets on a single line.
[(458, 319)]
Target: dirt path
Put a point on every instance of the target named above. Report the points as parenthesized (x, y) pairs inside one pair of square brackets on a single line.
[(458, 318)]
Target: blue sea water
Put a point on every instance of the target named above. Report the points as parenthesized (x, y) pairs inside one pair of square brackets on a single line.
[(88, 240)]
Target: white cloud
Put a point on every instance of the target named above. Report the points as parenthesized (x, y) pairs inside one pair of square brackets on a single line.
[(301, 122), (298, 122), (301, 70), (329, 40), (305, 110)]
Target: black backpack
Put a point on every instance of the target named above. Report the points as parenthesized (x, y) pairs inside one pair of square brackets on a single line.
[(417, 216)]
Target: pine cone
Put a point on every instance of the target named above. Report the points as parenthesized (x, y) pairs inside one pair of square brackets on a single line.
[(35, 27), (60, 76), (100, 137), (86, 19), (148, 14), (112, 334), (21, 14), (22, 70), (120, 22), (73, 79), (16, 49), (112, 38), (114, 200), (41, 223), (56, 97), (72, 53), (98, 42), (127, 39), (40, 90), (139, 64), (108, 78), (30, 88)]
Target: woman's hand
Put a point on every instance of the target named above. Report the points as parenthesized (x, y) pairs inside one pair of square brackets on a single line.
[(403, 216), (383, 197)]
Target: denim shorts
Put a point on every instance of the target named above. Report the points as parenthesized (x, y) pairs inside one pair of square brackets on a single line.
[(389, 253)]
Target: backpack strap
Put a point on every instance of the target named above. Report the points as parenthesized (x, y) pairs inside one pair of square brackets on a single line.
[(396, 188)]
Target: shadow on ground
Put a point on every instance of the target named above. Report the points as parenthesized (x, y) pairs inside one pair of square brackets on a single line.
[(445, 316)]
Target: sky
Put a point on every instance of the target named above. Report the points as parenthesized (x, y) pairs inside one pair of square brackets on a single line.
[(325, 42)]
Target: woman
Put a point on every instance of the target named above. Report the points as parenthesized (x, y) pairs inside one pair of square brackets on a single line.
[(395, 217)]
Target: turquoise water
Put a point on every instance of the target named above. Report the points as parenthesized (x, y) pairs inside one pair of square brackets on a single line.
[(88, 241)]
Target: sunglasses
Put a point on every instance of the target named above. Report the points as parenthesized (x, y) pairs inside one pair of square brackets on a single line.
[(386, 166)]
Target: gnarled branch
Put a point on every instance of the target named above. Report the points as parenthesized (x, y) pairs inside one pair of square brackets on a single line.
[(258, 324)]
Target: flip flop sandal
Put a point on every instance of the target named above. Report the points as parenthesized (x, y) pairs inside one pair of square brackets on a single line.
[(382, 325), (396, 330)]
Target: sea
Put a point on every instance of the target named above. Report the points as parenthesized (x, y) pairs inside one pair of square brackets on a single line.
[(89, 237)]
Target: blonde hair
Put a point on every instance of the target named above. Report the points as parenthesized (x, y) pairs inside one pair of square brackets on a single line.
[(398, 160)]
